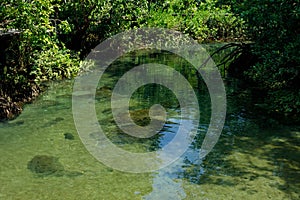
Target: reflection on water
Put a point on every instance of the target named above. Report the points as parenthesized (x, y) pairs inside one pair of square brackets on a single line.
[(248, 162)]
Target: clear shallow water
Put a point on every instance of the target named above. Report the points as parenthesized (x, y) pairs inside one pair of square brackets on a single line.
[(248, 162)]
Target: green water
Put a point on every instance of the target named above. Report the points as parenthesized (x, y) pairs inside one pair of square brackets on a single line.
[(248, 162)]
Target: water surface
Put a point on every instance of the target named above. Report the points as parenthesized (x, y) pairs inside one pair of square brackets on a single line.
[(255, 158)]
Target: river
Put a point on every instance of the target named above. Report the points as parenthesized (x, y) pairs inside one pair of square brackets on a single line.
[(254, 158)]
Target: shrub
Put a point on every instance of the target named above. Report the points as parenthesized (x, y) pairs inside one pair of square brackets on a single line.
[(203, 21), (36, 52), (273, 25)]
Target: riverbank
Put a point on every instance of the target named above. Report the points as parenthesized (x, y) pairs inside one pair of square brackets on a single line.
[(12, 99)]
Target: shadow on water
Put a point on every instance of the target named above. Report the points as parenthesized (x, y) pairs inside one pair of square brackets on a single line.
[(246, 154)]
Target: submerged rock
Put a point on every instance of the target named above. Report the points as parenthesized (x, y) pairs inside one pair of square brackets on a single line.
[(140, 117), (69, 136), (43, 164), (49, 165)]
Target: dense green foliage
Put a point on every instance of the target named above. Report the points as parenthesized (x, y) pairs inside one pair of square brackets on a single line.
[(50, 32), (51, 36), (202, 20), (274, 27), (35, 53), (92, 21), (31, 52)]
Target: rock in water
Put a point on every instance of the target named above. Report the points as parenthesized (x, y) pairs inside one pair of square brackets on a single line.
[(69, 136), (43, 164)]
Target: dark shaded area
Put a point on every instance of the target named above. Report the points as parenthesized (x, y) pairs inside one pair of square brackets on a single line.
[(69, 136), (14, 97), (13, 94), (243, 60)]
